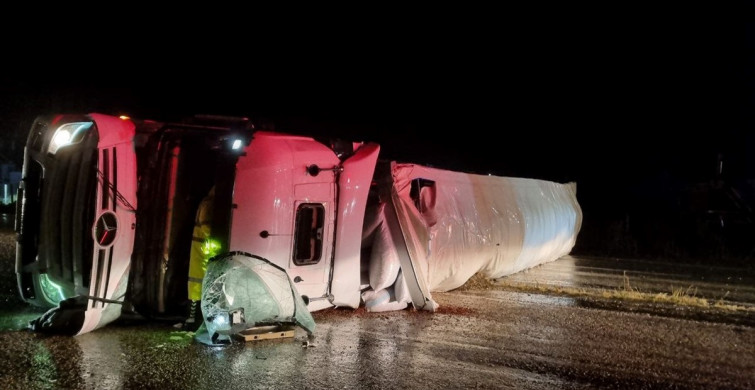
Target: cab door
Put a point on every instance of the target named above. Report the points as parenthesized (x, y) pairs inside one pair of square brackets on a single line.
[(311, 254)]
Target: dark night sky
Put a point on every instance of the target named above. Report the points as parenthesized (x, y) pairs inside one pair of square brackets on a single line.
[(632, 104)]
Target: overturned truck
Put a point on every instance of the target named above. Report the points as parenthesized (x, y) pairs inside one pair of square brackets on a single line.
[(110, 214)]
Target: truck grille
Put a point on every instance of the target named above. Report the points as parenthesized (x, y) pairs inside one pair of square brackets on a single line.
[(68, 215)]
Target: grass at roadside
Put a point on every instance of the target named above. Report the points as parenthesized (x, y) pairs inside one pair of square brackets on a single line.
[(681, 296), (9, 296)]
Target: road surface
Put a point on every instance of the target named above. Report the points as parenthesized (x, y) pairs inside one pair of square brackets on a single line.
[(542, 329)]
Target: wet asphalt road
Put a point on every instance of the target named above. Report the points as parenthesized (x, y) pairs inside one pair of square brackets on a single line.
[(490, 337), (479, 339)]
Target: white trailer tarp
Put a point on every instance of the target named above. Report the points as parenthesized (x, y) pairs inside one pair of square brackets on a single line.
[(456, 224)]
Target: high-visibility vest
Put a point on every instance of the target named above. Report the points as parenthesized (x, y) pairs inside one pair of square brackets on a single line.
[(198, 258)]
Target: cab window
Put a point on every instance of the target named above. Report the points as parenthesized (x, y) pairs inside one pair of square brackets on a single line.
[(308, 234)]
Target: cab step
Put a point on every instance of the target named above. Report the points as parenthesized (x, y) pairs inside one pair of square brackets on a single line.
[(267, 332)]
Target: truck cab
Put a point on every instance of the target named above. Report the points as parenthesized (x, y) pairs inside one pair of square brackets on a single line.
[(76, 215), (107, 205)]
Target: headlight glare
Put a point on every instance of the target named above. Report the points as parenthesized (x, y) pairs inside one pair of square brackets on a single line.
[(68, 134)]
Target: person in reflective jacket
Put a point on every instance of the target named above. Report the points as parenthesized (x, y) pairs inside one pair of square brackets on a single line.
[(203, 247)]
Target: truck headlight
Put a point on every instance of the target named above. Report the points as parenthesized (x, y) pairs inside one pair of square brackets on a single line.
[(68, 134)]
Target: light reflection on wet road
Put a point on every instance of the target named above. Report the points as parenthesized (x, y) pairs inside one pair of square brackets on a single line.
[(486, 338)]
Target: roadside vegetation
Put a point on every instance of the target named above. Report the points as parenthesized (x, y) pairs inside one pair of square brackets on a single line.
[(680, 296)]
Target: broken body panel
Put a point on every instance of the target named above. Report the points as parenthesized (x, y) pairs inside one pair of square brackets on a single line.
[(293, 200)]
